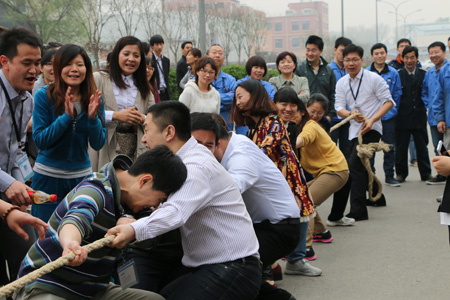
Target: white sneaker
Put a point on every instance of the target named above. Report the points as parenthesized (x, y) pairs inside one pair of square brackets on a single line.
[(302, 267), (342, 222)]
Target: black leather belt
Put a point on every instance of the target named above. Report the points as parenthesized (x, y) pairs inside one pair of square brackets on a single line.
[(252, 260), (162, 91), (292, 221)]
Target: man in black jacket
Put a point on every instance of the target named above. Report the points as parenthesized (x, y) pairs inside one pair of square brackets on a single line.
[(412, 118), (182, 66), (162, 66), (320, 75)]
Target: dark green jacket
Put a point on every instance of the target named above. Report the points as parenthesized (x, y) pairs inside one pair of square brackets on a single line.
[(324, 82)]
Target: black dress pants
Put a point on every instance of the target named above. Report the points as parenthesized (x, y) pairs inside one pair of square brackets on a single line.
[(420, 137), (360, 178)]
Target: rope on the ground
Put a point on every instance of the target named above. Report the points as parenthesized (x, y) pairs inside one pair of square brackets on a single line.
[(365, 153), (8, 289)]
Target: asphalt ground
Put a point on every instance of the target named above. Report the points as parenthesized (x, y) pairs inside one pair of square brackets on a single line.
[(401, 252)]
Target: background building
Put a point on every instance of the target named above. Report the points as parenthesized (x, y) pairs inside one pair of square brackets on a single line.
[(289, 32)]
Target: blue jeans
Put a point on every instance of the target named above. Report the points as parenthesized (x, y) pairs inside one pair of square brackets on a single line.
[(239, 279), (436, 136), (412, 150), (389, 138), (51, 185), (389, 157), (300, 251)]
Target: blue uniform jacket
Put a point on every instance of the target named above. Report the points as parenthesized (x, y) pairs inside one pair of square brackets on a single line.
[(62, 143), (390, 75), (225, 84), (268, 86), (441, 100), (430, 86)]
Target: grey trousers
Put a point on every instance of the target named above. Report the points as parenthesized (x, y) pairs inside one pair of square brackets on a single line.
[(113, 292)]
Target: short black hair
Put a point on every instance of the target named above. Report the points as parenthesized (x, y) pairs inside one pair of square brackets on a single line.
[(403, 41), (146, 47), (409, 49), (47, 57), (175, 113), (222, 127), (318, 98), (352, 48), (203, 121), (437, 44), (108, 57), (283, 55), (255, 61), (156, 39), (10, 39), (342, 41), (315, 40), (378, 46), (185, 43), (211, 122), (286, 94), (168, 170)]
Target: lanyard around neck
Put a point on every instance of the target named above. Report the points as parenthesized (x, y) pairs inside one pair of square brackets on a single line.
[(359, 85), (13, 117)]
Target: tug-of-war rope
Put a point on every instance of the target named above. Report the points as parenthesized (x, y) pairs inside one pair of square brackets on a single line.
[(365, 153), (8, 289)]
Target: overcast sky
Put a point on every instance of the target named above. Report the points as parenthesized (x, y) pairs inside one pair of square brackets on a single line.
[(362, 12)]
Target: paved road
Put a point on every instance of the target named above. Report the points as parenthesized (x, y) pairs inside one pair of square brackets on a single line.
[(401, 252)]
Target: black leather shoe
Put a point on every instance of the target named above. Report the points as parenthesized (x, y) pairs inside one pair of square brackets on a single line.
[(379, 202), (400, 178)]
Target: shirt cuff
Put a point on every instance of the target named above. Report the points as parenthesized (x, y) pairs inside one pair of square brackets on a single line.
[(5, 181), (140, 227), (109, 115)]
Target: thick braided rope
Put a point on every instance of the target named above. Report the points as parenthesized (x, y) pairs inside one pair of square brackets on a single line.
[(8, 289), (365, 153)]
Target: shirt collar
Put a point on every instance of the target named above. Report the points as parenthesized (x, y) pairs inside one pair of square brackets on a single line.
[(358, 76), (226, 154), (183, 151), (156, 56), (320, 62), (385, 69), (411, 73), (128, 79), (11, 91)]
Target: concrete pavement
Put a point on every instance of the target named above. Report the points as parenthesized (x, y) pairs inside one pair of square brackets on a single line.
[(401, 252)]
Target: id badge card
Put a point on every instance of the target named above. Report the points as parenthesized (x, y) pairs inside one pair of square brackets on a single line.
[(127, 274), (24, 165)]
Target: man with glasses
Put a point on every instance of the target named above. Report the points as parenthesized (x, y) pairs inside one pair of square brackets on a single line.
[(365, 92), (320, 75)]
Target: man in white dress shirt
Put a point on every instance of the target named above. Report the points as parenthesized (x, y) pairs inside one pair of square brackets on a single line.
[(266, 193), (368, 93), (219, 243)]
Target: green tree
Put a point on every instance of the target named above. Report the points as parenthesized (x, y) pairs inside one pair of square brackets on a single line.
[(52, 20)]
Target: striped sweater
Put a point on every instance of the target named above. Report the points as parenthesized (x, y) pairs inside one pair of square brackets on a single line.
[(93, 206)]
